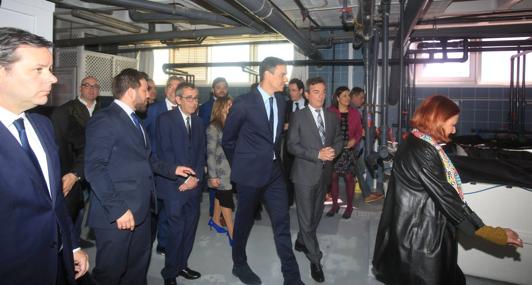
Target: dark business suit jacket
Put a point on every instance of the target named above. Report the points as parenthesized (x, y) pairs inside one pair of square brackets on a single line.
[(174, 146), (247, 139), (69, 121), (119, 166), (304, 143), (32, 221), (290, 106), (154, 110), (205, 111)]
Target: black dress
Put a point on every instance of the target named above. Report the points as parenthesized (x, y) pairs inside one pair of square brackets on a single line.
[(416, 239)]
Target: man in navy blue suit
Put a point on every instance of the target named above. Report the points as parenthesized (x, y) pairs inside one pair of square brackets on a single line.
[(119, 165), (154, 110), (181, 140), (37, 243), (251, 141)]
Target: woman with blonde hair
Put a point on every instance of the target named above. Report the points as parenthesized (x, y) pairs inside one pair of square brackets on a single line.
[(219, 172)]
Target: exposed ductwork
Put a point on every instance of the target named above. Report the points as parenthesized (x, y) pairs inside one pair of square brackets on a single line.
[(275, 19), (137, 16), (222, 5), (192, 14), (106, 20), (159, 36)]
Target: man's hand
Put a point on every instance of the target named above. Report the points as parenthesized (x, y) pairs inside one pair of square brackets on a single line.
[(189, 184), (214, 182), (326, 154), (69, 180), (126, 222), (81, 263), (184, 171), (513, 238)]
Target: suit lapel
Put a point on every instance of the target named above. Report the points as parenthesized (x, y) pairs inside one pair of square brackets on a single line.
[(310, 118), (260, 110), (181, 128), (281, 105), (80, 112), (329, 127), (132, 129)]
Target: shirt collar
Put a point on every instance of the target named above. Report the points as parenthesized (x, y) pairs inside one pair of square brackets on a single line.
[(169, 105), (7, 117), (265, 96), (124, 107)]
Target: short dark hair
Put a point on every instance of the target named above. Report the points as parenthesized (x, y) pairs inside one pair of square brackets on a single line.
[(432, 113), (218, 80), (13, 38), (356, 91), (127, 78), (297, 82), (269, 64), (183, 85), (314, 81)]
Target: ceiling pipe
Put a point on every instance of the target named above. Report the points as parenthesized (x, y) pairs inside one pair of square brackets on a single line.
[(223, 6), (167, 9), (137, 16), (274, 18), (106, 21), (159, 36)]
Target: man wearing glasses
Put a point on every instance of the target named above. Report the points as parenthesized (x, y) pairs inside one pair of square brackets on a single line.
[(180, 139), (69, 121)]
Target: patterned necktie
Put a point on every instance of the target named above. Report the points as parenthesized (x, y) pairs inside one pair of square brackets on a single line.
[(188, 126), (297, 106), (24, 142), (136, 119), (321, 127)]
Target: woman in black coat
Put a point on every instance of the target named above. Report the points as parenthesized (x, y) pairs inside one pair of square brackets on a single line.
[(416, 239)]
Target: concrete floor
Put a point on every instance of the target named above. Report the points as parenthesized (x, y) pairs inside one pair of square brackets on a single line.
[(347, 247)]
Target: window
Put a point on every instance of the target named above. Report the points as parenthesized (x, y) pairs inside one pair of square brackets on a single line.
[(221, 53), (232, 53), (495, 66), (448, 72)]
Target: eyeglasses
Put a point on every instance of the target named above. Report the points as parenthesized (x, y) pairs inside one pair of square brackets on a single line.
[(87, 85), (190, 99)]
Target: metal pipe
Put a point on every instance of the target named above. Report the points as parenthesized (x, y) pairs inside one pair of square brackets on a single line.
[(137, 16), (274, 18), (385, 6), (188, 44), (107, 21), (305, 13), (159, 36), (167, 9), (237, 14), (401, 73)]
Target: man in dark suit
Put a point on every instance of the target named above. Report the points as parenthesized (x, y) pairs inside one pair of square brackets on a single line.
[(181, 140), (69, 121), (296, 101), (154, 110), (37, 243), (119, 166), (251, 141), (219, 90), (314, 138)]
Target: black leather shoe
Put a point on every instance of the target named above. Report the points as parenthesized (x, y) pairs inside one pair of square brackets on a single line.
[(246, 275), (170, 281), (160, 251), (300, 247), (317, 272), (189, 274)]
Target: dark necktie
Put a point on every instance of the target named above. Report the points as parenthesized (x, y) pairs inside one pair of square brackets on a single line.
[(136, 120), (321, 127), (270, 120), (187, 123), (24, 142), (297, 106)]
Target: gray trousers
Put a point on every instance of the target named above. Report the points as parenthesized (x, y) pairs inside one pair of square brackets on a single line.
[(309, 204)]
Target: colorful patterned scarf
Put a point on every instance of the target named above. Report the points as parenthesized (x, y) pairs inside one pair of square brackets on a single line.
[(450, 171)]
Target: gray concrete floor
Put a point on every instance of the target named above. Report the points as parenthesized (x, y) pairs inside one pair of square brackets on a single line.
[(347, 247)]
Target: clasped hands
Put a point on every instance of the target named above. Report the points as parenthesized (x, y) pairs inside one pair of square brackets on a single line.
[(326, 154)]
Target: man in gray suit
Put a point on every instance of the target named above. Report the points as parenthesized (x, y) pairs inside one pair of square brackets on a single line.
[(314, 138)]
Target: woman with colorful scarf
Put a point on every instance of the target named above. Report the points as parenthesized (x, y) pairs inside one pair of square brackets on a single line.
[(416, 239)]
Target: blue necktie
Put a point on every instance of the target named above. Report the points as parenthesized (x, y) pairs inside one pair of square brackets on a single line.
[(136, 119), (19, 125), (270, 120)]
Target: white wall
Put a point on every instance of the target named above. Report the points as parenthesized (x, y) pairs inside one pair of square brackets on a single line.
[(34, 16)]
